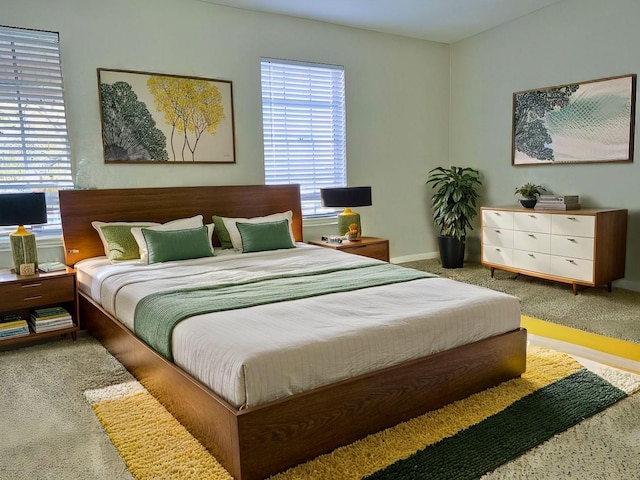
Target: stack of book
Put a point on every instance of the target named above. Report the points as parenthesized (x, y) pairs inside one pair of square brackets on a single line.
[(558, 202), (47, 319), (13, 326)]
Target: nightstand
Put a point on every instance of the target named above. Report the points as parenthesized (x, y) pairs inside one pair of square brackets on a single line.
[(367, 247), (20, 294)]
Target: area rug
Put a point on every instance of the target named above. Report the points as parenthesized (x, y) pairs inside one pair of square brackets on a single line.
[(491, 428)]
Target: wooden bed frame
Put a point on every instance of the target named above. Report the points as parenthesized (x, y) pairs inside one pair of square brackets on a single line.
[(266, 439)]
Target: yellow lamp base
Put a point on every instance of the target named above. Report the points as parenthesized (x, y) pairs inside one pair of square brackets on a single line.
[(24, 251), (346, 219)]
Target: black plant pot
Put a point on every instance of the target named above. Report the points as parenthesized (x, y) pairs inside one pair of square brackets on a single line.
[(528, 202), (451, 251)]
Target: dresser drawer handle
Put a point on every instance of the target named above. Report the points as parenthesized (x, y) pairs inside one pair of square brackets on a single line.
[(30, 285), (354, 247), (572, 240), (29, 299), (572, 218), (570, 261), (497, 231), (531, 255), (532, 216), (498, 250), (531, 235)]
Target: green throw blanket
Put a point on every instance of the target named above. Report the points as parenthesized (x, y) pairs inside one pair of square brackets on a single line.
[(157, 314)]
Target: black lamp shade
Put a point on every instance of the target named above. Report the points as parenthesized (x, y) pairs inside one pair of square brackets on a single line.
[(23, 209), (346, 197)]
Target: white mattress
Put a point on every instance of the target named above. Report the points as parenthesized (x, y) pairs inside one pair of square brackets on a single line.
[(258, 354)]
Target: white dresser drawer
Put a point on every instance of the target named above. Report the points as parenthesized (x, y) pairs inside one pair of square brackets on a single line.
[(573, 268), (574, 246), (532, 261), (497, 219), (497, 255), (499, 237), (532, 222), (577, 225), (535, 242)]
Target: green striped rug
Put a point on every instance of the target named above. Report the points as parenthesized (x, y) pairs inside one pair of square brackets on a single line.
[(463, 440)]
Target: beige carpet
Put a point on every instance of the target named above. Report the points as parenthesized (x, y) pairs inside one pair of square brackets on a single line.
[(615, 314)]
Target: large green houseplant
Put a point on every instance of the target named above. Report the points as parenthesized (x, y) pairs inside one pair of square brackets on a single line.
[(454, 206)]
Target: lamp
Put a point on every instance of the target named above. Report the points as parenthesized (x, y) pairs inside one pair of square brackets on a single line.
[(346, 198), (23, 209)]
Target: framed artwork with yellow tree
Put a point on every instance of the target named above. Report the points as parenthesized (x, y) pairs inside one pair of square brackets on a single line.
[(158, 118)]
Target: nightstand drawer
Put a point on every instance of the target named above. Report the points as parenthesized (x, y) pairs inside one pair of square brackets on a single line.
[(372, 250), (36, 293)]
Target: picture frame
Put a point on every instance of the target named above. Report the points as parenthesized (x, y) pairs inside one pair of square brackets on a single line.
[(587, 122), (165, 119)]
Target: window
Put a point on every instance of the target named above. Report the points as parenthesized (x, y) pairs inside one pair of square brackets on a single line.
[(34, 149), (303, 117)]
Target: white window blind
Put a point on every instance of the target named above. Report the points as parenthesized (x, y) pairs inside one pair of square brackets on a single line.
[(303, 115), (34, 148)]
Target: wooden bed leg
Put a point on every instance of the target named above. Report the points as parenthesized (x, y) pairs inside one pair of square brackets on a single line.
[(493, 270)]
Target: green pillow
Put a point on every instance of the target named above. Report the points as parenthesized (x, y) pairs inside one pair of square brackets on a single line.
[(222, 232), (120, 242), (168, 245), (258, 237)]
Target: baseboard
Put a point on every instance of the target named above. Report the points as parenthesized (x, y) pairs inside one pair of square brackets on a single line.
[(415, 258)]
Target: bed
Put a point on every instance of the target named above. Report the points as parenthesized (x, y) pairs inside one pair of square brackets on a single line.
[(254, 436)]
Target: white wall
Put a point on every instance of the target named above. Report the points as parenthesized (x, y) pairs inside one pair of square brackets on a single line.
[(572, 41), (397, 96)]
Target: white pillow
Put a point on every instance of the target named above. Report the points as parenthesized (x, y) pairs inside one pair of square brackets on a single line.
[(234, 234), (179, 224), (107, 243)]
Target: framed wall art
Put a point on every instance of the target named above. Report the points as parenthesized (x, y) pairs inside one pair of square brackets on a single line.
[(168, 119), (584, 122)]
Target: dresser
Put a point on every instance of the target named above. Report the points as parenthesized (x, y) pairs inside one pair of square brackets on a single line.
[(581, 247)]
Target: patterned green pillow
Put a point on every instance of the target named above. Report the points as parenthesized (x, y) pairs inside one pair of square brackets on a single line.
[(117, 239), (222, 232)]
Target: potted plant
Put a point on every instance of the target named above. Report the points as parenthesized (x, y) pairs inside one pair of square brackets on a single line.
[(529, 194), (454, 206)]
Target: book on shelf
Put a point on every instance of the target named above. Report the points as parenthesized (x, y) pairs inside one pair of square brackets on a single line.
[(557, 206), (23, 332), (568, 199), (48, 325), (50, 312), (9, 325), (12, 317)]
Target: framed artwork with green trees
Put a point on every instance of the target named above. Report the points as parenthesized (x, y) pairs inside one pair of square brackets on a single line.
[(158, 118), (584, 122)]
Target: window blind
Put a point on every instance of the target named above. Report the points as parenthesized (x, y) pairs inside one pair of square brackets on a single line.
[(303, 115), (34, 147)]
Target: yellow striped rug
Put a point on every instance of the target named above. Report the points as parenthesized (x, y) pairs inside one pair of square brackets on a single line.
[(155, 446)]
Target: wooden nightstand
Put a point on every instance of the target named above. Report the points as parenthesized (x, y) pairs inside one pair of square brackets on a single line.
[(367, 247), (20, 294)]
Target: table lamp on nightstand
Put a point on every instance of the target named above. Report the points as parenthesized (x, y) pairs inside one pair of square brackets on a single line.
[(346, 198), (23, 209)]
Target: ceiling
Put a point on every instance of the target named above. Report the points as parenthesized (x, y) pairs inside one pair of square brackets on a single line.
[(438, 20)]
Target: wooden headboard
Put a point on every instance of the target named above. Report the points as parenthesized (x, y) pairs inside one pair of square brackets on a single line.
[(81, 207)]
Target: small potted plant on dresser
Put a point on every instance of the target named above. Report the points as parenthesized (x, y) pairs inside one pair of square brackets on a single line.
[(454, 206), (529, 194)]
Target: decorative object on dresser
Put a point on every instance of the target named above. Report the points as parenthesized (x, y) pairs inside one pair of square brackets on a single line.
[(575, 123), (23, 209), (371, 247), (454, 206), (22, 297), (529, 194), (346, 198), (586, 247), (558, 202)]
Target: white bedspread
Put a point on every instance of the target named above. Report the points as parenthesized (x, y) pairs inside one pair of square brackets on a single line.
[(262, 353)]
